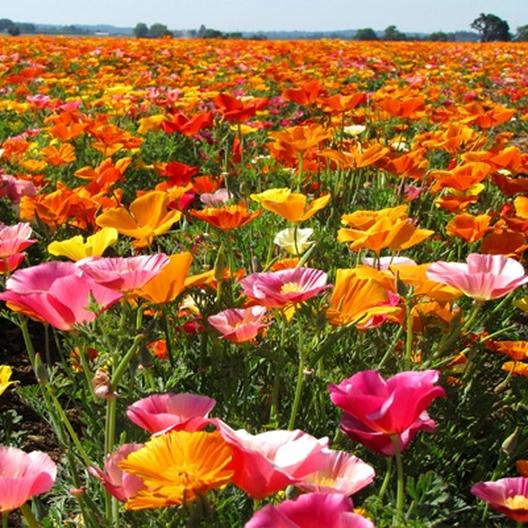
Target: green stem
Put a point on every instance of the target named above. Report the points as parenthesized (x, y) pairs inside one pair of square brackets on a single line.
[(274, 409), (390, 348), (386, 480), (168, 336), (29, 517), (400, 498), (66, 422), (300, 381), (5, 519), (86, 371), (27, 340), (475, 309), (409, 336), (121, 368)]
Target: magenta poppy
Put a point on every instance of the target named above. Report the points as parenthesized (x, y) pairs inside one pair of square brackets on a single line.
[(508, 496), (376, 410), (285, 287), (313, 510), (57, 293), (123, 274), (161, 413)]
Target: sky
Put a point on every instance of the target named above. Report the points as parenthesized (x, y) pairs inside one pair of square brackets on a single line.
[(254, 15)]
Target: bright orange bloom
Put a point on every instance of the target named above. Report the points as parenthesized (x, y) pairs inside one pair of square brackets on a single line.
[(169, 282), (105, 175), (146, 218), (516, 350), (289, 205), (307, 94), (227, 217), (359, 295), (298, 139), (504, 242), (376, 230), (178, 466), (357, 157), (62, 155), (408, 107), (461, 178), (521, 207), (516, 368), (468, 227), (486, 115)]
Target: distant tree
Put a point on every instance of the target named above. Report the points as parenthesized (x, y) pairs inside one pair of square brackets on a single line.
[(491, 28), (522, 33), (14, 31), (141, 30), (438, 36), (393, 33), (201, 31), (366, 34), (5, 24), (26, 27), (158, 31)]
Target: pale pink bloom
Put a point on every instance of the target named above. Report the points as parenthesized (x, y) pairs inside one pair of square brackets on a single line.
[(268, 462), (13, 240), (23, 475), (313, 510), (508, 496), (384, 263), (483, 278), (285, 287), (57, 293), (161, 413), (376, 409), (216, 199), (239, 324), (343, 473), (119, 483), (14, 188), (123, 274)]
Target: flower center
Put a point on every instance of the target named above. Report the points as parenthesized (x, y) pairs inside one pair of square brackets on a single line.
[(517, 502), (291, 287)]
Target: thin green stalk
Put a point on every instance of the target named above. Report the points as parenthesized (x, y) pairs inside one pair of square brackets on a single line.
[(409, 335), (29, 517), (390, 348), (86, 371), (121, 368), (386, 479), (168, 335), (300, 381), (27, 340), (400, 495), (65, 420), (274, 408), (47, 351), (5, 519)]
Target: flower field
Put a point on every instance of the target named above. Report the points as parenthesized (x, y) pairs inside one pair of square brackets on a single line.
[(263, 283)]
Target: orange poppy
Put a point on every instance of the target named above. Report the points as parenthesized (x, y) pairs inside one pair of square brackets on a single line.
[(62, 155), (468, 227), (516, 350), (146, 218), (227, 217), (298, 139), (169, 282), (504, 242), (461, 178), (516, 368)]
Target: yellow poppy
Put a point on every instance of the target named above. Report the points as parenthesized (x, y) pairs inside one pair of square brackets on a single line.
[(76, 248), (5, 375)]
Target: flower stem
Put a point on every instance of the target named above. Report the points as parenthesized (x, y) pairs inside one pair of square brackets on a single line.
[(300, 381), (5, 519), (385, 483), (409, 331), (29, 517), (274, 409), (27, 341), (400, 498)]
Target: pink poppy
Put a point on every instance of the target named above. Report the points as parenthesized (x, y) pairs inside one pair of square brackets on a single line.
[(344, 473), (268, 462), (376, 409), (119, 483), (285, 287), (313, 510), (483, 278), (123, 274), (384, 263), (508, 496), (23, 475), (57, 293), (13, 240), (161, 413), (239, 325), (15, 189)]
